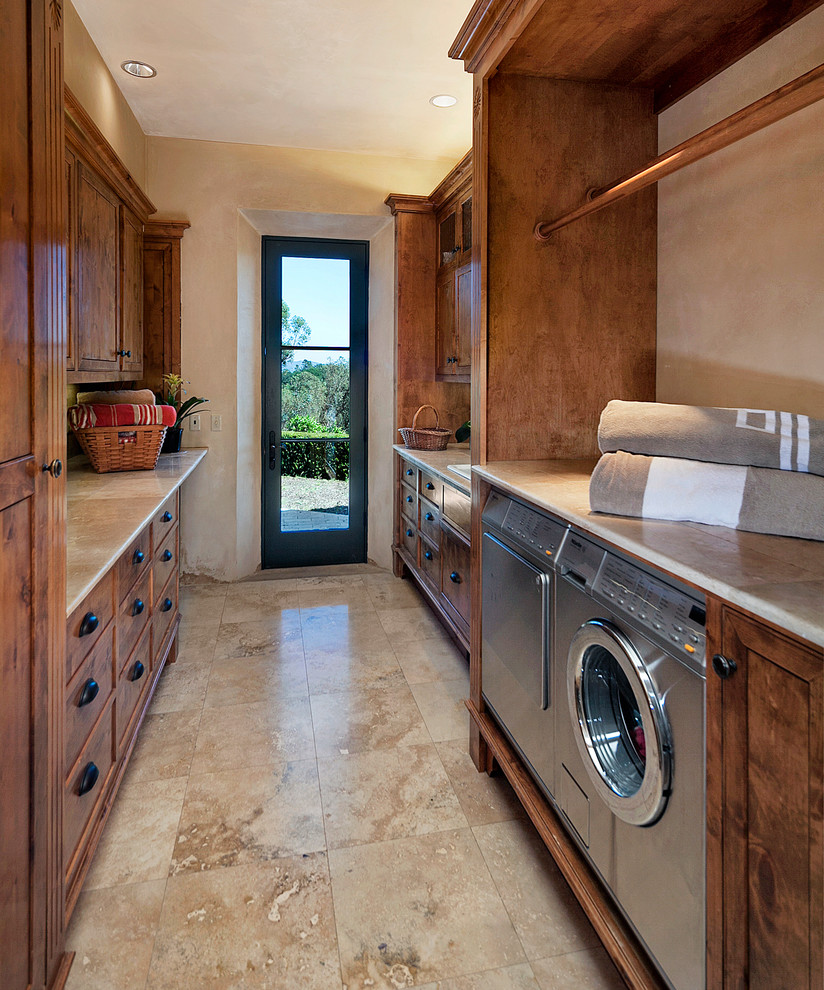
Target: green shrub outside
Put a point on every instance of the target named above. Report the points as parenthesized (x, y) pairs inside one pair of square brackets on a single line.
[(314, 459)]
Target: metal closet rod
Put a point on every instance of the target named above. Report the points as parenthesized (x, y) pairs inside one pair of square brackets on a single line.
[(801, 92)]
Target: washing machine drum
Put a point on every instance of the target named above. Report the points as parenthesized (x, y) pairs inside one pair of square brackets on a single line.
[(619, 724)]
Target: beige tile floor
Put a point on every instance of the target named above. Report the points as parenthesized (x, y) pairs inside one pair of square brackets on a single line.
[(301, 812)]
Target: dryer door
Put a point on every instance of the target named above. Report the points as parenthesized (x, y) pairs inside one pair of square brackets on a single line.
[(619, 724)]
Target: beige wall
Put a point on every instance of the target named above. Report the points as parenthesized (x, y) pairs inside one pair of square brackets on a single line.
[(91, 82), (741, 244), (278, 190)]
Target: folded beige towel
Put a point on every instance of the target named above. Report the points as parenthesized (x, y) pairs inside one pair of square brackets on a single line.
[(133, 397), (759, 437), (761, 500)]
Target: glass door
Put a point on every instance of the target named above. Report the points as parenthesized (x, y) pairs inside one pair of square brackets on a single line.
[(314, 401)]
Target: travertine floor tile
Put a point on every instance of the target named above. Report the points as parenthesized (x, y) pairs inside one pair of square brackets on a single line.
[(388, 592), (164, 746), (257, 814), (254, 601), (139, 837), (342, 669), (511, 978), (354, 597), (182, 687), (277, 634), (543, 909), (196, 641), (245, 680), (113, 932), (335, 626), (589, 969), (427, 660), (442, 704), (403, 625), (256, 927), (438, 914), (483, 799), (203, 603), (386, 794)]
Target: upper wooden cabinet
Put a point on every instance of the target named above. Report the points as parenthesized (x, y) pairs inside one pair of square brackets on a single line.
[(106, 214)]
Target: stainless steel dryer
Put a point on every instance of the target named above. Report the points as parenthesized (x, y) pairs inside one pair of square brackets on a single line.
[(630, 776)]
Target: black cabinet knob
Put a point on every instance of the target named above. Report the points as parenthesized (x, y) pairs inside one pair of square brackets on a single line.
[(54, 468), (166, 517), (455, 577), (139, 557), (138, 606), (89, 624), (409, 498), (430, 487), (88, 780), (90, 691), (409, 472), (427, 554), (167, 555), (429, 517), (137, 671), (723, 666), (125, 353), (167, 604), (409, 532)]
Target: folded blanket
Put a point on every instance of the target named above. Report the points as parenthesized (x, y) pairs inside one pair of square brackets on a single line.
[(757, 499), (759, 437), (140, 396), (83, 417)]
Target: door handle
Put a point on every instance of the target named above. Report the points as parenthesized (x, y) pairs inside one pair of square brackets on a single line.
[(273, 450)]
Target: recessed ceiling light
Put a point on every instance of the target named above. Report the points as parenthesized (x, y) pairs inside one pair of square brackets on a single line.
[(135, 68), (443, 101)]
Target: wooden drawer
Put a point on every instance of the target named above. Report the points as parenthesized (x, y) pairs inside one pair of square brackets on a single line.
[(133, 616), (165, 519), (430, 523), (134, 562), (409, 538), (457, 509), (86, 784), (87, 622), (132, 683), (88, 694), (409, 473), (431, 487), (431, 563), (164, 612), (455, 585), (409, 503), (165, 561)]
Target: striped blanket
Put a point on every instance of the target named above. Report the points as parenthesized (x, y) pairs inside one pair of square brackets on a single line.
[(124, 414)]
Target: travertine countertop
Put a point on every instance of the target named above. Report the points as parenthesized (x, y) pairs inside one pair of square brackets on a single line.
[(436, 461), (775, 577), (106, 511)]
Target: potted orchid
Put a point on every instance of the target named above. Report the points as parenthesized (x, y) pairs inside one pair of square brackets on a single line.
[(172, 395)]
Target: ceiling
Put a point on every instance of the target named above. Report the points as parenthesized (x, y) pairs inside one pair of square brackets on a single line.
[(343, 75)]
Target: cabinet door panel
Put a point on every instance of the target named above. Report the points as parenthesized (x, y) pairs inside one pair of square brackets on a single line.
[(71, 249), (131, 282), (445, 324), (463, 321)]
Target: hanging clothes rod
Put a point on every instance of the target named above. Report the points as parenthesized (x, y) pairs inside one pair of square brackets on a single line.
[(801, 92)]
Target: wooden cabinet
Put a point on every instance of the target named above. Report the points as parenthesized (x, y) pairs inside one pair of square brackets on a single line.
[(765, 813), (453, 297), (131, 294)]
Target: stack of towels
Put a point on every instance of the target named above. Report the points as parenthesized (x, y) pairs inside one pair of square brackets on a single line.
[(120, 408), (758, 470)]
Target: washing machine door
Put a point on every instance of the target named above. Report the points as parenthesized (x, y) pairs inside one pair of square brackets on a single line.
[(619, 724)]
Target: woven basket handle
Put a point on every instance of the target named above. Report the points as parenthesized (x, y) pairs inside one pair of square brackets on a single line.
[(420, 410)]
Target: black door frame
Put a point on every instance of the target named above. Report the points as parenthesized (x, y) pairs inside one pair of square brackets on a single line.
[(308, 547)]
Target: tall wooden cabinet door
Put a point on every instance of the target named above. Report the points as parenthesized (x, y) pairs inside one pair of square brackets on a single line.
[(463, 322), (131, 282), (96, 270), (765, 846), (445, 324), (71, 250)]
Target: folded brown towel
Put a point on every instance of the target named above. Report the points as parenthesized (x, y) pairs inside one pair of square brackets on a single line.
[(760, 500), (132, 397), (759, 437)]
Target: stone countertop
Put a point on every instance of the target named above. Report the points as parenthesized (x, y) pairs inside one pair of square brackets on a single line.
[(775, 577), (106, 511), (436, 461)]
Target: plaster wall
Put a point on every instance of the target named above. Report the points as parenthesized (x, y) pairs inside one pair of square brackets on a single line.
[(741, 244)]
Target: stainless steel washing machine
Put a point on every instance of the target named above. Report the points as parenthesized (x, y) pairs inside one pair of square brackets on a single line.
[(630, 774)]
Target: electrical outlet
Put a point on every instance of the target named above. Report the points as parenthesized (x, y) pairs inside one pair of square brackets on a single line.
[(217, 423), (194, 423)]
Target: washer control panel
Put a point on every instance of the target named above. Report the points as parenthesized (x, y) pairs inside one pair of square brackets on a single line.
[(531, 529)]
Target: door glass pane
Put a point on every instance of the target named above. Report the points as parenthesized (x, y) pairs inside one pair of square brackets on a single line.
[(315, 302)]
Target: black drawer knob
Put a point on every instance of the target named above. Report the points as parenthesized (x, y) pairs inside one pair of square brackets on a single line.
[(723, 666), (88, 780), (90, 691), (455, 577), (167, 555), (430, 486), (166, 517), (125, 353), (167, 604), (89, 624), (409, 472), (409, 498), (138, 606), (137, 671), (409, 532), (429, 517), (428, 554), (54, 468), (139, 557)]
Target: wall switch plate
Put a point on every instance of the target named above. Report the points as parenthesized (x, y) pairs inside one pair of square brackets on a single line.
[(194, 423), (217, 423)]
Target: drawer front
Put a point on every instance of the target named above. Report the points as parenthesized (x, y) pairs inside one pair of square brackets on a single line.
[(133, 616), (455, 584), (87, 623), (88, 694), (165, 561), (165, 519), (134, 563), (431, 487), (132, 683), (409, 503), (409, 537), (430, 523), (409, 474), (431, 564), (457, 509), (86, 784), (164, 613)]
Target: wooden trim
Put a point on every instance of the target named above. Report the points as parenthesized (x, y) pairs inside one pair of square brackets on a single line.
[(478, 749), (452, 183), (164, 229), (796, 95), (480, 271), (62, 973), (714, 803), (86, 138), (489, 31), (398, 203)]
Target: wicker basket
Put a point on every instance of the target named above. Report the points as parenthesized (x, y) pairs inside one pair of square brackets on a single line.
[(431, 439), (121, 448)]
